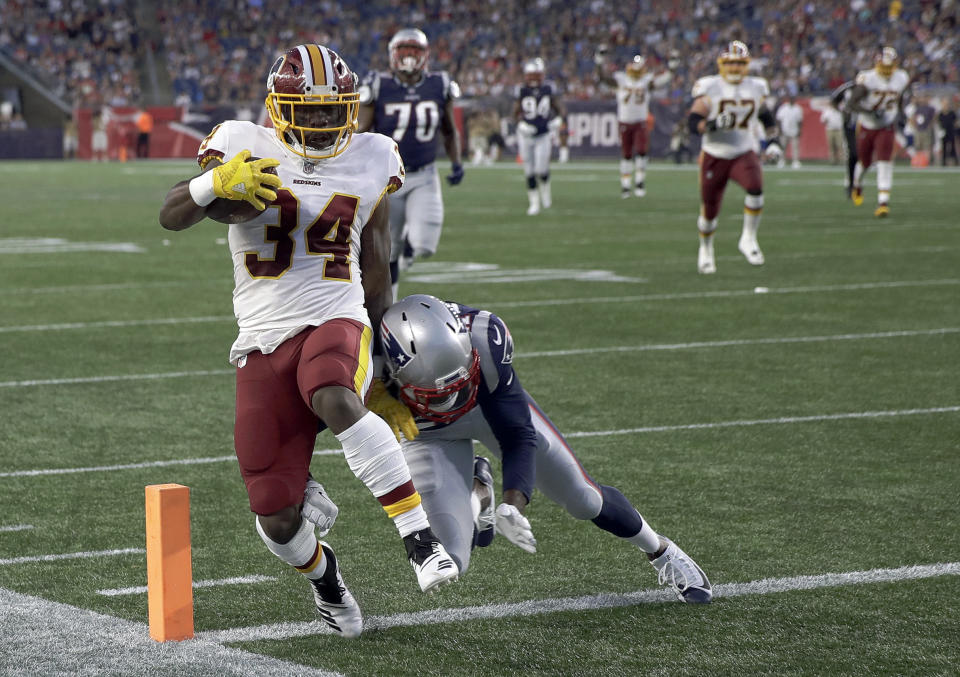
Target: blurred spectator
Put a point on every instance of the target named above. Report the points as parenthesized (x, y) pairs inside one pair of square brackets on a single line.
[(922, 119), (70, 138), (947, 121), (790, 121), (832, 120), (98, 137), (144, 122)]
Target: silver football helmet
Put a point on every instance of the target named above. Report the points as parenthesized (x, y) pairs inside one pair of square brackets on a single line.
[(429, 354), (409, 50)]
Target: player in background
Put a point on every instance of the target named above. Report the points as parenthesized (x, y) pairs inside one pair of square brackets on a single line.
[(724, 108), (453, 366), (789, 118), (840, 99), (310, 248), (633, 86), (878, 96), (411, 104), (539, 114)]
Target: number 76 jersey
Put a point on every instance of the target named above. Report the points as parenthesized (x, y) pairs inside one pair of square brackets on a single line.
[(744, 100), (298, 263)]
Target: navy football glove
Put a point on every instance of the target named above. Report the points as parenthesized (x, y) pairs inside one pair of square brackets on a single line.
[(456, 175)]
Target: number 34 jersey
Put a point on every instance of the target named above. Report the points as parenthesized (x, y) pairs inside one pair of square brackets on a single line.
[(744, 100), (298, 263)]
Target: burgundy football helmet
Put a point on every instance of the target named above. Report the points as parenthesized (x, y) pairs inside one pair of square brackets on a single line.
[(313, 101)]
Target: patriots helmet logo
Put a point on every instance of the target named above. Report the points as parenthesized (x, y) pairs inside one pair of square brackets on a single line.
[(396, 355)]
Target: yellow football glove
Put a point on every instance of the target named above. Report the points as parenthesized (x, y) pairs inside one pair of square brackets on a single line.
[(242, 180), (391, 410)]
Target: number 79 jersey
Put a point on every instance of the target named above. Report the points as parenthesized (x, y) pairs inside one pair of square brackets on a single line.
[(298, 263), (883, 96), (744, 100)]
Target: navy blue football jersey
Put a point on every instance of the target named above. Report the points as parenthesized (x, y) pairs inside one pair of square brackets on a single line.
[(409, 114), (536, 104)]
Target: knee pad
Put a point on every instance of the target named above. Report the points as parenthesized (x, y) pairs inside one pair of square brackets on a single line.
[(531, 182)]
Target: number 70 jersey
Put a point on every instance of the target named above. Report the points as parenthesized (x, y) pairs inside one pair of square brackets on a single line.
[(298, 263), (744, 100)]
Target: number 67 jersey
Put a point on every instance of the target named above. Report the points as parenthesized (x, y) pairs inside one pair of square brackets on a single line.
[(298, 263), (744, 99)]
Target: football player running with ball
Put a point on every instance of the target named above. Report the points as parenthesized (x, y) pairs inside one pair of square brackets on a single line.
[(411, 104), (538, 113), (310, 247), (452, 366), (878, 96), (723, 111)]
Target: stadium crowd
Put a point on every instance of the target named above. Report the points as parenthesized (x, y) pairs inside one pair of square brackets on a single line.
[(217, 51)]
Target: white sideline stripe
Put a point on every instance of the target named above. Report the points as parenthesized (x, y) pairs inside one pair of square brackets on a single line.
[(138, 466), (17, 527), (765, 586), (724, 294), (108, 379), (116, 323), (40, 637), (72, 555), (542, 353), (236, 580), (742, 342), (769, 421), (597, 433)]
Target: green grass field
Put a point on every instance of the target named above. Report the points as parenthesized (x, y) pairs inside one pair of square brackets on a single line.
[(807, 431)]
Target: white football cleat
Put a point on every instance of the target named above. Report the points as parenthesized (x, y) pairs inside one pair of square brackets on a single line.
[(706, 265), (748, 247), (676, 569), (430, 560), (640, 191), (335, 604)]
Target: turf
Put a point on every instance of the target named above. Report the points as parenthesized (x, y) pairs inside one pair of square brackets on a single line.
[(808, 428)]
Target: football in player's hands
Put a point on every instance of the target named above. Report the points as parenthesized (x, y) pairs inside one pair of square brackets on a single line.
[(237, 211)]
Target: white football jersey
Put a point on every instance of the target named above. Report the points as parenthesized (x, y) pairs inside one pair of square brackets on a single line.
[(633, 97), (297, 264), (882, 95), (744, 100)]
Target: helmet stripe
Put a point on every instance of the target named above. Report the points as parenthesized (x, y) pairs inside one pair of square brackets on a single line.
[(318, 63)]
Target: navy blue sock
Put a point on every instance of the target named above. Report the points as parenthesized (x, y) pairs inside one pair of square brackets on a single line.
[(618, 516)]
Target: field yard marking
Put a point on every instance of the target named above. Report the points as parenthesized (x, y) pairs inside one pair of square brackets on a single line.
[(124, 466), (541, 353), (71, 555), (16, 527), (721, 294), (116, 323), (109, 379), (769, 421), (742, 342), (40, 637), (765, 586), (213, 583), (115, 286), (593, 433)]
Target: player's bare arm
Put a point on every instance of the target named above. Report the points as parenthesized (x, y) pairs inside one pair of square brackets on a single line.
[(179, 211), (857, 96), (241, 179), (375, 264), (698, 115), (365, 119), (451, 137)]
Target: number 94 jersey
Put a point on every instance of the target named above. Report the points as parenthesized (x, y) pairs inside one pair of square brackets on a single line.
[(298, 263), (744, 100), (536, 104)]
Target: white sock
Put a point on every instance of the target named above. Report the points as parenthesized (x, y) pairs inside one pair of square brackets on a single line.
[(646, 539), (302, 552), (545, 197), (534, 196), (752, 204), (858, 171), (706, 229), (640, 164), (375, 457), (626, 168), (884, 181)]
